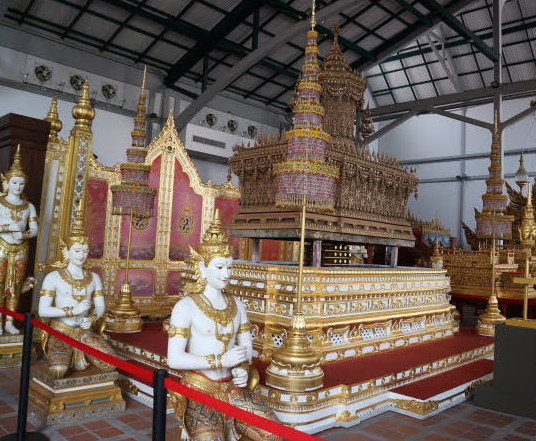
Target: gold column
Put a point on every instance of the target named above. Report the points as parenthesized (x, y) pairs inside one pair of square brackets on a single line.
[(76, 163), (492, 315), (295, 365)]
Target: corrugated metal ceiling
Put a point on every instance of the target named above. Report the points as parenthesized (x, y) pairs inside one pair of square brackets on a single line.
[(173, 36)]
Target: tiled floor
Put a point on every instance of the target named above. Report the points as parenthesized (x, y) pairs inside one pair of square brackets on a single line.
[(460, 423)]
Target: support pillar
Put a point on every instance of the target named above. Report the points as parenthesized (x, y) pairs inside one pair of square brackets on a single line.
[(394, 257), (317, 253), (255, 250)]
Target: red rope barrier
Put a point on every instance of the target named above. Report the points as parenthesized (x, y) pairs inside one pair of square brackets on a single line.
[(192, 394)]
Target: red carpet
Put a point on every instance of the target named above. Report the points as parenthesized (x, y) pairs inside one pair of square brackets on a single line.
[(432, 386), (351, 371), (152, 337), (372, 366)]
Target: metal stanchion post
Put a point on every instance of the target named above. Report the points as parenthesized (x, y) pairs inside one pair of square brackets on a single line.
[(21, 434), (159, 405)]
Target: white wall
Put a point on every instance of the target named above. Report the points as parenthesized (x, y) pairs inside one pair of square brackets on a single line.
[(22, 93), (433, 136), (111, 131)]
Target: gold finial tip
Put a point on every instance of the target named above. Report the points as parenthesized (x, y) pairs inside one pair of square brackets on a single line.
[(313, 18), (217, 214), (336, 30), (16, 167), (144, 77)]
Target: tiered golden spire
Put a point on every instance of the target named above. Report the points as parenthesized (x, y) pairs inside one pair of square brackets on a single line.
[(295, 365), (78, 232), (493, 220), (215, 242), (54, 119), (144, 76), (83, 112), (16, 168)]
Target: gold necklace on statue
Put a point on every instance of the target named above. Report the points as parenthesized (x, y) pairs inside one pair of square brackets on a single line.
[(15, 211), (224, 337), (218, 316), (221, 316), (78, 284)]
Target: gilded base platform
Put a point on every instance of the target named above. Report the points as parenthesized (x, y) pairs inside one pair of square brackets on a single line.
[(387, 381), (78, 396), (349, 311), (10, 350)]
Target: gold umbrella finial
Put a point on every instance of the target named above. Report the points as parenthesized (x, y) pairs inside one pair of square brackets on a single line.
[(54, 120), (83, 112), (144, 76), (16, 167), (78, 233), (215, 242), (313, 17)]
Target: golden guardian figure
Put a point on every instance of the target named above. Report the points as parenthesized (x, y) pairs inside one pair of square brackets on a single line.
[(210, 341), (18, 223)]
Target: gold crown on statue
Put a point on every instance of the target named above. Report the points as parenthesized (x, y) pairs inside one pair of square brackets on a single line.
[(16, 168), (78, 234), (214, 243)]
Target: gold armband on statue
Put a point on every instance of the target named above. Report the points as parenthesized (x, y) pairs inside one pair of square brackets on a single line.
[(175, 331), (98, 293), (26, 234), (4, 228), (33, 219), (47, 293), (244, 327), (211, 360), (68, 310)]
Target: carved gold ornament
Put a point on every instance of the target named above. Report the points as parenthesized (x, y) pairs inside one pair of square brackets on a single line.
[(186, 221), (140, 223)]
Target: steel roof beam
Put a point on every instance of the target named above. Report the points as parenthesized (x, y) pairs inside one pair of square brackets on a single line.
[(119, 23), (415, 12), (300, 15), (4, 5), (392, 125), (239, 13), (460, 41), (254, 57), (407, 36), (26, 11), (177, 25), (456, 100), (457, 26), (184, 28), (86, 39), (443, 59), (346, 43), (81, 12), (122, 26)]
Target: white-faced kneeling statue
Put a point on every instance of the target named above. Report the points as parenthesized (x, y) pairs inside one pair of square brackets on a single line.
[(210, 341), (66, 297)]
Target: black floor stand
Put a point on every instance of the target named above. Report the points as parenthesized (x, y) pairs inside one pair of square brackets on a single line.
[(21, 434), (514, 375)]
